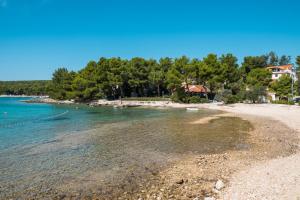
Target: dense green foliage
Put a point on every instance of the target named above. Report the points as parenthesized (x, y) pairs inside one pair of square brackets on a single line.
[(196, 99), (24, 87), (282, 87), (113, 78)]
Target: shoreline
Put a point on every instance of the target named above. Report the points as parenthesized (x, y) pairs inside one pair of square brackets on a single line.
[(281, 120), (191, 175), (281, 188), (200, 173)]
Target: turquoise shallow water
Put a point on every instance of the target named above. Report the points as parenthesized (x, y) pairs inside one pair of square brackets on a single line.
[(22, 123), (49, 150)]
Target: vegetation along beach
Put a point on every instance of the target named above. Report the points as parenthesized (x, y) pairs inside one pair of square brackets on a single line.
[(149, 100)]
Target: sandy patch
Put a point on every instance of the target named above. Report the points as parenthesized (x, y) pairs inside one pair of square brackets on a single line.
[(206, 120)]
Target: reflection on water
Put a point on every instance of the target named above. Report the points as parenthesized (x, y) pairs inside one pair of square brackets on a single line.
[(119, 149)]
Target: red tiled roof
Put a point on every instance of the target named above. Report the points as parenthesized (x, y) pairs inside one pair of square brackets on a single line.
[(196, 89), (282, 67)]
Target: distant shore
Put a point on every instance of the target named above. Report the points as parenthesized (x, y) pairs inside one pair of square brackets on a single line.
[(33, 96)]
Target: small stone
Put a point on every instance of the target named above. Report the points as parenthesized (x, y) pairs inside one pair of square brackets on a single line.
[(219, 185), (209, 198), (196, 198), (62, 196), (181, 181)]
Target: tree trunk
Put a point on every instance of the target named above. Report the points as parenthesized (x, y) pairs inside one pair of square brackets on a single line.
[(187, 85), (158, 90), (121, 91)]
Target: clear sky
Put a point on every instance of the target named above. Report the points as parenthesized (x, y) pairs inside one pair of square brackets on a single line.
[(38, 36)]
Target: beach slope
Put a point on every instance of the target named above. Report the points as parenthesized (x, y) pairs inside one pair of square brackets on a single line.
[(274, 179)]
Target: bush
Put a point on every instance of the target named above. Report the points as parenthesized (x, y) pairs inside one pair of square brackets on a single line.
[(283, 102), (196, 99), (256, 94), (179, 96), (230, 99), (227, 97)]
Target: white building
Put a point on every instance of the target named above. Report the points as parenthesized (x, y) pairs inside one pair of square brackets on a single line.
[(278, 71)]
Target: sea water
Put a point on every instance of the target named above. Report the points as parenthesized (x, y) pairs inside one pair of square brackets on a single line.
[(50, 149)]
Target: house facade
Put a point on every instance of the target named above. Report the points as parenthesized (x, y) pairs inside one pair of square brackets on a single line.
[(278, 71)]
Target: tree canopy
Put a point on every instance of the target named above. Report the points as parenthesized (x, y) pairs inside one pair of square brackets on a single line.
[(112, 78), (282, 87)]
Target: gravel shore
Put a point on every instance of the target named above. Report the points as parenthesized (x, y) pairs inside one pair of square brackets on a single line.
[(267, 169), (274, 179), (195, 176), (271, 177)]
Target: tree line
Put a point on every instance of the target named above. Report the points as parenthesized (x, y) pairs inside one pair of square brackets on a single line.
[(37, 88), (112, 78)]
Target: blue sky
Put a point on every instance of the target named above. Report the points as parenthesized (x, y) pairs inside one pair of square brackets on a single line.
[(38, 36)]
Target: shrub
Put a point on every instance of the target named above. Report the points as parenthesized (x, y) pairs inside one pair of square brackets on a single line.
[(256, 94), (230, 99), (227, 97), (179, 96), (197, 99), (283, 102)]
